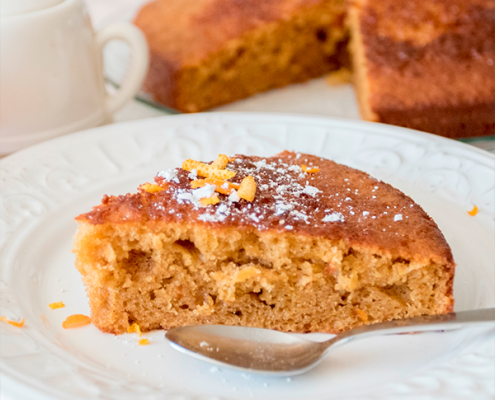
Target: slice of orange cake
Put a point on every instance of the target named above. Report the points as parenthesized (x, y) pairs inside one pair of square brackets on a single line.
[(292, 242)]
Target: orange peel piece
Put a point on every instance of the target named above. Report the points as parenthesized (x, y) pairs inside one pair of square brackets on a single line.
[(220, 186), (75, 321), (474, 211), (143, 342), (213, 199), (13, 323), (58, 304), (247, 189), (361, 314), (151, 187), (207, 170), (310, 170), (134, 328), (221, 161)]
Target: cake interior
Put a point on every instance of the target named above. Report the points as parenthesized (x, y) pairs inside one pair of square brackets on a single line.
[(165, 275)]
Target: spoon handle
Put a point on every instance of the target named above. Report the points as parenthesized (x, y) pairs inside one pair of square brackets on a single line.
[(418, 324)]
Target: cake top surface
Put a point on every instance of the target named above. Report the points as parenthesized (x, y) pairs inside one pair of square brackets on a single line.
[(295, 193), (186, 31), (444, 47)]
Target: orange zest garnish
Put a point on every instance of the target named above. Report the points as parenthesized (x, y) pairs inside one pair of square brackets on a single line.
[(247, 189), (59, 304), (134, 328), (223, 187), (310, 170), (207, 170), (143, 342), (75, 321), (221, 161), (13, 323), (217, 175), (151, 187), (361, 314), (213, 199), (474, 211)]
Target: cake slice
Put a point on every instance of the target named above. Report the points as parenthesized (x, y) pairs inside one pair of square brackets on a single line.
[(426, 65), (292, 242), (205, 53)]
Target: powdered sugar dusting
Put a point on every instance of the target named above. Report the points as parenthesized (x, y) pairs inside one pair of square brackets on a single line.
[(311, 190), (169, 175), (334, 217), (287, 197)]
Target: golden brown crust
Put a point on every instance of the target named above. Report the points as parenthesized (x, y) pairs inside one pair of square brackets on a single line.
[(428, 65), (336, 203)]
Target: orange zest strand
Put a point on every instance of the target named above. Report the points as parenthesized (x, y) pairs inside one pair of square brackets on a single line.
[(221, 161), (134, 328), (361, 314), (75, 321), (213, 199), (207, 170), (474, 211), (223, 187), (310, 170), (151, 187), (247, 189), (13, 323), (59, 304), (143, 342)]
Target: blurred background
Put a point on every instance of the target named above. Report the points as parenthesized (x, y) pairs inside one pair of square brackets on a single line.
[(317, 97)]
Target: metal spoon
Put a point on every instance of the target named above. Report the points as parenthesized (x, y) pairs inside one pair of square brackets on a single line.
[(256, 350)]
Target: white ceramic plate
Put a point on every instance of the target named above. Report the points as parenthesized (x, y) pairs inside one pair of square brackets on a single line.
[(44, 187)]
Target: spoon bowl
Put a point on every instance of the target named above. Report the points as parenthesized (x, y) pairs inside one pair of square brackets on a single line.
[(248, 349), (257, 350)]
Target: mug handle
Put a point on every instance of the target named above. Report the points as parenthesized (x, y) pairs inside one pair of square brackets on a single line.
[(139, 60)]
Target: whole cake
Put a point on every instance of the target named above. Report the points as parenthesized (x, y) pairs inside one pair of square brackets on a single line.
[(427, 65), (292, 242)]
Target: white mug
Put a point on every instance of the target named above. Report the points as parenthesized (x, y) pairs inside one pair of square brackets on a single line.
[(51, 71)]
